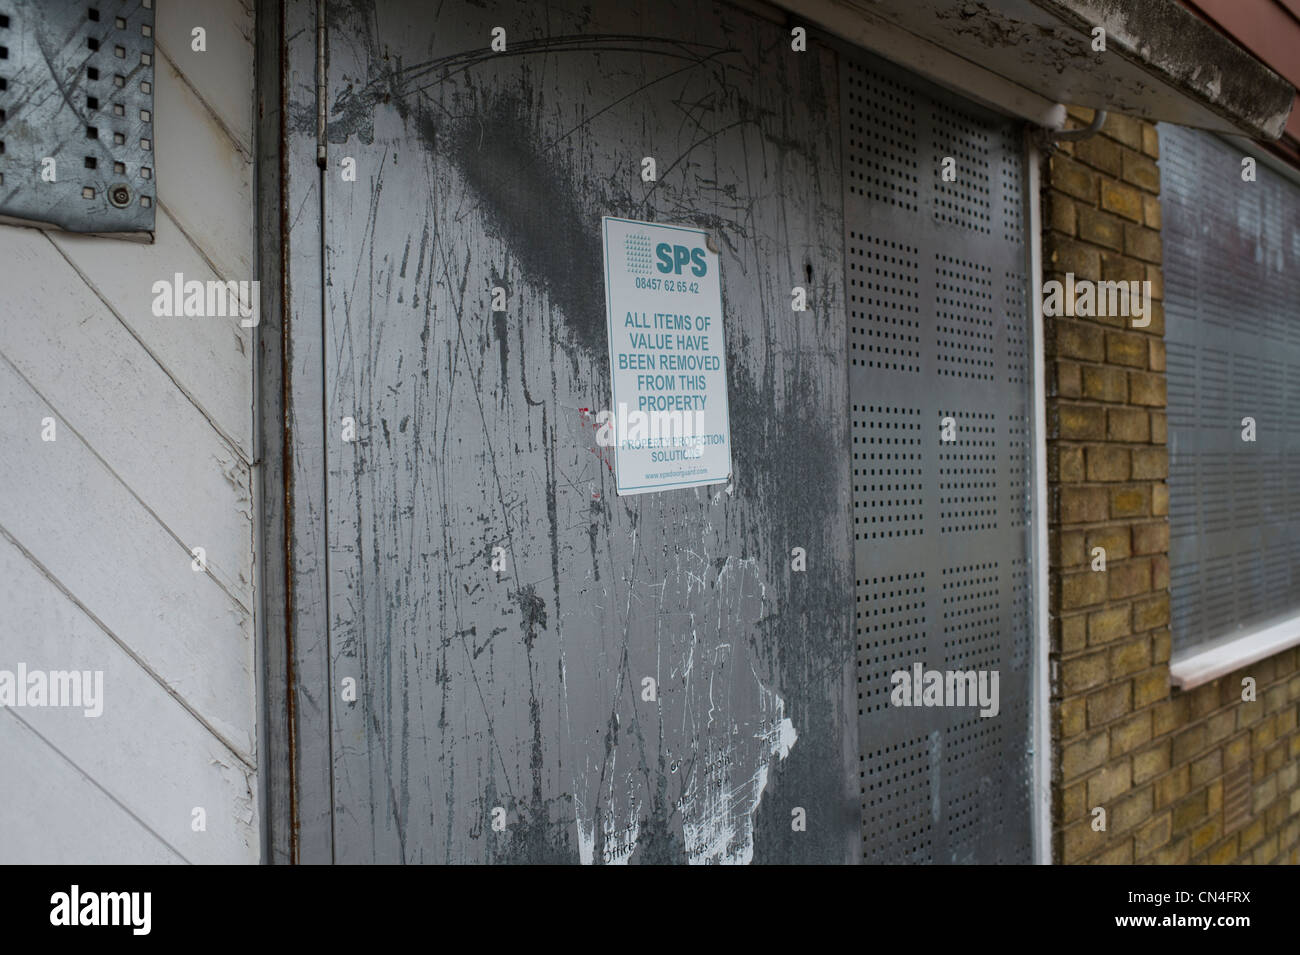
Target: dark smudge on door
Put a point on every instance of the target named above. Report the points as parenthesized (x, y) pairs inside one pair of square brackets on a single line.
[(522, 689)]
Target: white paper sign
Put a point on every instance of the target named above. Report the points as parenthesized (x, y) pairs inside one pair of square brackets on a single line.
[(669, 424)]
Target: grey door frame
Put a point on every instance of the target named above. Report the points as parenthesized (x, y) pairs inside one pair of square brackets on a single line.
[(295, 741)]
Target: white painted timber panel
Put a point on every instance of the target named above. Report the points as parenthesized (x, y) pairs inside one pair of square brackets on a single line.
[(84, 527), (210, 358), (88, 366), (153, 457), (228, 27), (204, 181), (53, 813), (144, 749)]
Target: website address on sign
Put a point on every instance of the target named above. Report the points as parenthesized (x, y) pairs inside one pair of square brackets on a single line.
[(679, 474)]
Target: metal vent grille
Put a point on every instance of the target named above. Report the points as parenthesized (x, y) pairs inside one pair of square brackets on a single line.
[(898, 800), (892, 620), (938, 327), (1232, 278), (76, 87), (881, 138), (884, 287), (971, 617), (965, 201), (1020, 610), (1018, 471), (965, 313), (968, 474), (1012, 180), (1014, 333), (887, 476)]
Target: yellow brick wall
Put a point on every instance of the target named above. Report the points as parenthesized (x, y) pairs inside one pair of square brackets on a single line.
[(1159, 761)]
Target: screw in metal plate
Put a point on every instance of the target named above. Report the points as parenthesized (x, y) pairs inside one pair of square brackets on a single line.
[(119, 195)]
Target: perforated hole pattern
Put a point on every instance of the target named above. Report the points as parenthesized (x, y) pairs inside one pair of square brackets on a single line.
[(887, 475), (938, 328), (92, 93), (882, 141), (1232, 351)]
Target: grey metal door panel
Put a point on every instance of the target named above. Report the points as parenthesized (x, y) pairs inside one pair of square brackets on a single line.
[(522, 689), (938, 326)]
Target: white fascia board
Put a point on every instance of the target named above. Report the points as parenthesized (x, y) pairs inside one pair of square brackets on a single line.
[(864, 29)]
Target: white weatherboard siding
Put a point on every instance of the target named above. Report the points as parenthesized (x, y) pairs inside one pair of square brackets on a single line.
[(153, 457)]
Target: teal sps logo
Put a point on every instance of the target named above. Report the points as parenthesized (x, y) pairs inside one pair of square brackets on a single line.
[(674, 258)]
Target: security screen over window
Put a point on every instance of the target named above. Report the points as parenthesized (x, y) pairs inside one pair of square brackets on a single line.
[(1232, 284)]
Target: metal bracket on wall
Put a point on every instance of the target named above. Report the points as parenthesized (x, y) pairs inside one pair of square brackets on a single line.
[(76, 114), (1047, 139)]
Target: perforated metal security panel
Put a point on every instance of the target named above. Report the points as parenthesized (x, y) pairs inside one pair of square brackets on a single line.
[(1232, 335), (938, 328), (76, 114)]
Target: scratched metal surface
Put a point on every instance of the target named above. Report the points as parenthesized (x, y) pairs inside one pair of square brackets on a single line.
[(79, 91), (521, 689)]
